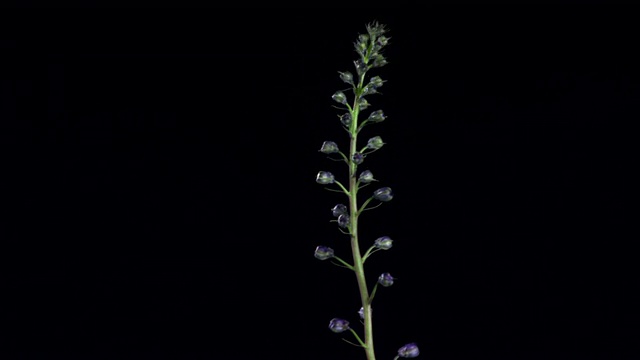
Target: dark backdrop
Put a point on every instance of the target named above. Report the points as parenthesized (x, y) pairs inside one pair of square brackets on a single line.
[(159, 202)]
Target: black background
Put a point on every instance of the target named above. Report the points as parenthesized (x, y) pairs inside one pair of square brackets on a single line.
[(159, 199)]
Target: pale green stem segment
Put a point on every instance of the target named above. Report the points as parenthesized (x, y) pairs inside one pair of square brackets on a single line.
[(358, 338), (358, 261), (344, 263)]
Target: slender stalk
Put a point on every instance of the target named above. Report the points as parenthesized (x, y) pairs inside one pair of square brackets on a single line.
[(358, 263)]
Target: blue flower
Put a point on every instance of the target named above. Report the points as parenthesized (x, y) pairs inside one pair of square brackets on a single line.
[(325, 177), (383, 243), (338, 325), (340, 209), (376, 116), (339, 97), (385, 280), (366, 177), (409, 351), (329, 147), (383, 194), (343, 220), (375, 143), (323, 253), (357, 158)]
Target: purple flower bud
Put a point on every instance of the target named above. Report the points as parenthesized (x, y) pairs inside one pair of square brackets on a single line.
[(366, 177), (383, 243), (338, 325), (340, 97), (329, 147), (343, 221), (357, 158), (346, 77), (383, 194), (376, 116), (345, 119), (325, 177), (323, 253), (385, 280), (409, 351), (375, 143), (339, 209)]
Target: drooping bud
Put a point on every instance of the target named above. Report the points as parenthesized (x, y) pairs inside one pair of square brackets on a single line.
[(379, 61), (339, 209), (385, 280), (361, 67), (345, 119), (325, 177), (329, 147), (376, 82), (366, 177), (409, 351), (383, 243), (343, 221), (346, 77), (338, 325), (323, 253), (357, 158), (375, 143), (376, 116), (383, 194), (363, 103), (339, 97), (368, 90)]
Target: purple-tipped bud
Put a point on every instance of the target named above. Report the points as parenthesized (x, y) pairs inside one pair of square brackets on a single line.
[(385, 280), (409, 351), (375, 143), (345, 119), (343, 221), (329, 147), (357, 158), (338, 325), (376, 82), (339, 97), (363, 103), (339, 209), (366, 177), (346, 77), (383, 243), (376, 116), (383, 194), (325, 177), (323, 253)]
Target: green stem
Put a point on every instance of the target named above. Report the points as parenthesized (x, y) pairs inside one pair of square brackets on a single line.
[(358, 263)]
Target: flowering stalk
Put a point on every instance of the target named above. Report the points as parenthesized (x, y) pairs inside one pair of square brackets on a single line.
[(369, 48)]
